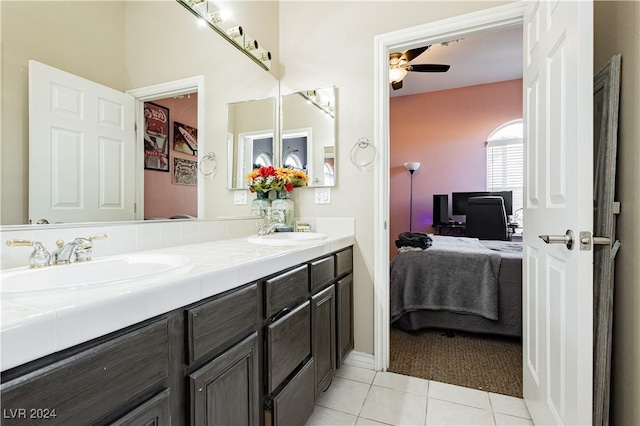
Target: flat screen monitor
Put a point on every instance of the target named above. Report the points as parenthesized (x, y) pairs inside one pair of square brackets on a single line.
[(460, 200)]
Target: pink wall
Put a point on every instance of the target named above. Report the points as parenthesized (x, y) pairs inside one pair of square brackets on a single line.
[(445, 131), (163, 198)]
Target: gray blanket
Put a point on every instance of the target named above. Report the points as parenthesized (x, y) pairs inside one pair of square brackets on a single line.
[(455, 274)]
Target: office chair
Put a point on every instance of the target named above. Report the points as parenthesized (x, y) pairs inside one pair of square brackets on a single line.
[(486, 219)]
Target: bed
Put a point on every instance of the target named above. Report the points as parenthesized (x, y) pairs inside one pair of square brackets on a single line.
[(458, 283)]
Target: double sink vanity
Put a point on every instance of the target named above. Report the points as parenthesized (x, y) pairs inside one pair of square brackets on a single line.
[(234, 331)]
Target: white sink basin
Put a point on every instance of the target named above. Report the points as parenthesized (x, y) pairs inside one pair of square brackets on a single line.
[(287, 238), (94, 274)]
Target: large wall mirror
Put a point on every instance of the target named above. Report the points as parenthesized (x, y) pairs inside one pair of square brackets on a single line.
[(124, 45), (308, 139)]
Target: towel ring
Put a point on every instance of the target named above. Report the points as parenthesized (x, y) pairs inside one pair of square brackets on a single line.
[(214, 165), (363, 153)]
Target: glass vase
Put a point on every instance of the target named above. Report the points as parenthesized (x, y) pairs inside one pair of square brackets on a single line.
[(260, 204), (284, 204)]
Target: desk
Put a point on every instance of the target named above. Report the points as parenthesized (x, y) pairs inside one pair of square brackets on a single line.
[(449, 228)]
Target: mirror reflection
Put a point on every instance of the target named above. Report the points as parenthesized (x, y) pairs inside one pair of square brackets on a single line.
[(118, 44), (308, 134), (250, 137)]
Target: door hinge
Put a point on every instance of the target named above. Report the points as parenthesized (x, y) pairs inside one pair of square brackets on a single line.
[(586, 241)]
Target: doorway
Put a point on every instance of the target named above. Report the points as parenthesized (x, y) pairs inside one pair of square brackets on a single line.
[(558, 281), (173, 89), (411, 38)]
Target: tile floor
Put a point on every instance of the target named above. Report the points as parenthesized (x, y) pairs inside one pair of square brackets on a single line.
[(358, 396)]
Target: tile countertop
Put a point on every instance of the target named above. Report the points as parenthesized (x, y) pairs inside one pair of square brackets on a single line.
[(34, 326)]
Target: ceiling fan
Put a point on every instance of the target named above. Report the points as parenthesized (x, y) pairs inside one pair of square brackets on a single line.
[(399, 66)]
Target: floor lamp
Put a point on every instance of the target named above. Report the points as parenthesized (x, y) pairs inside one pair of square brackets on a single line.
[(412, 167)]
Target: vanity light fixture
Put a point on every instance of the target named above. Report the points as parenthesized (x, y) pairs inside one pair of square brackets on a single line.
[(251, 44), (218, 20), (235, 32)]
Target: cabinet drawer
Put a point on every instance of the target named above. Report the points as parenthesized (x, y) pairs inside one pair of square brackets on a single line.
[(215, 324), (88, 385), (288, 344), (286, 290), (294, 404), (344, 262), (321, 272)]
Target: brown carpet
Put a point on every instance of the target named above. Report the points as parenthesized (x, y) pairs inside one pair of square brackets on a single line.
[(489, 363)]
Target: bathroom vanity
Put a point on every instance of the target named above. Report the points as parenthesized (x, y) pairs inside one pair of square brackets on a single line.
[(256, 352)]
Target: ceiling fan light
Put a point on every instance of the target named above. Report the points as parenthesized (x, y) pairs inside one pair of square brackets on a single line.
[(396, 74)]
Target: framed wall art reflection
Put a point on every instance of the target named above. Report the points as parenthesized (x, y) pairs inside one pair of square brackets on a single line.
[(156, 137), (185, 138)]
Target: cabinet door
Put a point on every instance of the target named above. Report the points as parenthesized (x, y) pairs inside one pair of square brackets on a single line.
[(323, 326), (344, 303), (225, 391), (294, 404), (154, 412)]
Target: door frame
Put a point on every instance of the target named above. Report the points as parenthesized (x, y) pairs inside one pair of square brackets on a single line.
[(492, 19), (160, 91)]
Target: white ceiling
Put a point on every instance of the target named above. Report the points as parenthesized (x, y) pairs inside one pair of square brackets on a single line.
[(484, 58)]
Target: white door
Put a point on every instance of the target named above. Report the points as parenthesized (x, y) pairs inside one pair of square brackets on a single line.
[(81, 149), (558, 282)]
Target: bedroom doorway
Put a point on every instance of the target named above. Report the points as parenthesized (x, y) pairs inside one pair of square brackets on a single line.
[(558, 333)]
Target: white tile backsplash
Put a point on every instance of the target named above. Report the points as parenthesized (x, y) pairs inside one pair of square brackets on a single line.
[(125, 237)]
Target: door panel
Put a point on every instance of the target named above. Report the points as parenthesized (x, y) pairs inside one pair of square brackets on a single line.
[(558, 296), (81, 149)]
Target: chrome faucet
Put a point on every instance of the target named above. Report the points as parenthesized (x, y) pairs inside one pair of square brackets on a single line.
[(39, 257), (79, 247), (274, 219)]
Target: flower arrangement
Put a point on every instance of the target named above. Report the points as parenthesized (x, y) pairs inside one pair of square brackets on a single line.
[(261, 179), (289, 178), (269, 178)]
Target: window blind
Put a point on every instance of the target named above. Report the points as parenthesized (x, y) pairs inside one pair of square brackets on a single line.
[(505, 167)]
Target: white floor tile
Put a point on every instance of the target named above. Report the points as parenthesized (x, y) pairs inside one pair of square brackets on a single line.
[(366, 422), (358, 374), (460, 395), (325, 417), (448, 413), (394, 407), (509, 405), (506, 420), (344, 395), (402, 383)]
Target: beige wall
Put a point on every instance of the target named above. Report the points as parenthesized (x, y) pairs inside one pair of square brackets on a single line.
[(91, 49), (617, 30), (331, 43)]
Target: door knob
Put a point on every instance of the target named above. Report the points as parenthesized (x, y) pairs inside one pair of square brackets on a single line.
[(566, 239)]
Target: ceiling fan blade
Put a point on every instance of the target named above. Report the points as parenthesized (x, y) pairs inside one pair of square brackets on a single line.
[(414, 53), (396, 85), (429, 68)]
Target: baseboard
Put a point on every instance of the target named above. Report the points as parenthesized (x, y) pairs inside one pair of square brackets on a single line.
[(360, 359)]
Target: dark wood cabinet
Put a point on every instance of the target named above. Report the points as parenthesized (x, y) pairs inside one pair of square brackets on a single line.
[(323, 331), (255, 355), (226, 390), (87, 386), (344, 318)]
